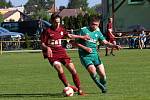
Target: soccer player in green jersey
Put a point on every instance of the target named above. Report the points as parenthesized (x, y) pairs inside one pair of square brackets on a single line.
[(88, 54)]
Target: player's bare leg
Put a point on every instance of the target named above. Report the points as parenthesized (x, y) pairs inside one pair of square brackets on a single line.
[(75, 77), (61, 75), (112, 49), (102, 74), (92, 70)]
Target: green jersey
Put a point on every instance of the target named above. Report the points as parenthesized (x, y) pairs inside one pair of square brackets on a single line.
[(92, 43)]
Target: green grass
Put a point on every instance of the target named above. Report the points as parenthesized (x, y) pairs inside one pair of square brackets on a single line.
[(27, 76)]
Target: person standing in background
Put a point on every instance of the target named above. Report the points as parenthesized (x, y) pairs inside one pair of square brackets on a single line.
[(110, 37), (142, 39)]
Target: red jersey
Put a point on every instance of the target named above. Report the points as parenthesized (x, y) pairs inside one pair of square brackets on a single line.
[(110, 38), (52, 38), (109, 26)]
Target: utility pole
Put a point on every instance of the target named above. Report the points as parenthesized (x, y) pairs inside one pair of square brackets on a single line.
[(54, 6), (105, 14), (113, 15)]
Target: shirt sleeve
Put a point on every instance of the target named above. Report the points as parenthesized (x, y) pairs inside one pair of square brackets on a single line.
[(78, 40), (101, 37)]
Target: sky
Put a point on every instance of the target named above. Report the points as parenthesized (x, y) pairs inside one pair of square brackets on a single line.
[(58, 2)]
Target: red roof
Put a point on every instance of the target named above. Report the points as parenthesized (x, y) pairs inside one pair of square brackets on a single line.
[(70, 12), (53, 9)]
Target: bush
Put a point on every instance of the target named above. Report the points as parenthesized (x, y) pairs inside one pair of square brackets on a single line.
[(27, 41)]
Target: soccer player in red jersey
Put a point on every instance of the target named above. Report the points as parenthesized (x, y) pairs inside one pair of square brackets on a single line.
[(110, 36), (56, 54)]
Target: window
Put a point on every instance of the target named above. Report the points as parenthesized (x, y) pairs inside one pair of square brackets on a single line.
[(135, 1)]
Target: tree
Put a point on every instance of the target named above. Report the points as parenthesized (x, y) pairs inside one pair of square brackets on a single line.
[(37, 5), (4, 4), (79, 21), (1, 18), (66, 22), (78, 4), (86, 19), (41, 14), (10, 3)]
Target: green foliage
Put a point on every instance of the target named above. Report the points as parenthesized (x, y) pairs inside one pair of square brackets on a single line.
[(1, 18), (27, 41), (4, 4), (37, 5), (41, 14), (92, 11), (72, 23), (66, 22), (85, 20), (78, 4), (10, 3), (78, 22)]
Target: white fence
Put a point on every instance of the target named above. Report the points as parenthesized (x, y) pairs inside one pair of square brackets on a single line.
[(34, 45)]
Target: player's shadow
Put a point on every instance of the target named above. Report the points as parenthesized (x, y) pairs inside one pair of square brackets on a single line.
[(52, 95)]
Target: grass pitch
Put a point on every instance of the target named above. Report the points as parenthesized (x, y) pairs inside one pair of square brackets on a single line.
[(27, 76)]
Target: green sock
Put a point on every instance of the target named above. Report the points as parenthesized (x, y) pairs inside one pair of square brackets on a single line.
[(96, 80), (103, 81)]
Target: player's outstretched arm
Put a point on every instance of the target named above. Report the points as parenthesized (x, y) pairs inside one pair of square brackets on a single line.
[(72, 36), (111, 45)]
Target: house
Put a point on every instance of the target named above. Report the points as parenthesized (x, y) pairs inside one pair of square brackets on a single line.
[(14, 14), (52, 9), (5, 10), (70, 12), (132, 13)]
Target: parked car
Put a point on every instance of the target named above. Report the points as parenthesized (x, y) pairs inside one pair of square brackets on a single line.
[(31, 27), (4, 33)]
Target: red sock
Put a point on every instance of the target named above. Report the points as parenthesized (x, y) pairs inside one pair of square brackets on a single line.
[(76, 80), (62, 77)]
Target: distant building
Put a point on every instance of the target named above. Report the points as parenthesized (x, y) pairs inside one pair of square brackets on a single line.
[(132, 13), (53, 9), (71, 12), (14, 14), (5, 10)]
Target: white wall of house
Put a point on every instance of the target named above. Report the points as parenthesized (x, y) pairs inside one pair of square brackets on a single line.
[(16, 16)]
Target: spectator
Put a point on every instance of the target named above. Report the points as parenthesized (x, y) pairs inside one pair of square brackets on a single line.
[(142, 39), (110, 36), (133, 39)]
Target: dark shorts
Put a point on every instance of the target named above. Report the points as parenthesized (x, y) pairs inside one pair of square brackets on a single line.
[(112, 40), (92, 59), (109, 38)]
